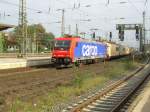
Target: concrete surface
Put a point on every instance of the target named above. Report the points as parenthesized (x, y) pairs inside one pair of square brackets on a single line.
[(8, 63), (142, 102)]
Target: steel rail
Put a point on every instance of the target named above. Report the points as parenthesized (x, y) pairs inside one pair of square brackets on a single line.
[(78, 107)]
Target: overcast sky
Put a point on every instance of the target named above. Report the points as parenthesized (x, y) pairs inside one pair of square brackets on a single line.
[(103, 16)]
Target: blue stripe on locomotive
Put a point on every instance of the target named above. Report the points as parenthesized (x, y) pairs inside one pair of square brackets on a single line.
[(90, 50)]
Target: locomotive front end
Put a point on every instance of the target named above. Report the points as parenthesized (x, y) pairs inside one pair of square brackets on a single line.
[(61, 52)]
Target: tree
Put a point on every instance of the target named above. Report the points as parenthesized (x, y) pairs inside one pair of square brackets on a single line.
[(38, 35), (48, 40)]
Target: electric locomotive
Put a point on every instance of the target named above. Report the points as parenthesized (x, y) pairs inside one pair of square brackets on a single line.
[(75, 50)]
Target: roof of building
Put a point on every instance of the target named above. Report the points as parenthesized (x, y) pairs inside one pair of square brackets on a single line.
[(5, 26)]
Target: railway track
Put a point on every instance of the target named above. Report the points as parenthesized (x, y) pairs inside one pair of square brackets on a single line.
[(115, 96), (14, 71)]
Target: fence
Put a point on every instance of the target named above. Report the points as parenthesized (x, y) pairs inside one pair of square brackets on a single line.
[(15, 55)]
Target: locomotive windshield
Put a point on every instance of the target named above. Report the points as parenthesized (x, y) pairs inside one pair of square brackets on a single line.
[(62, 45)]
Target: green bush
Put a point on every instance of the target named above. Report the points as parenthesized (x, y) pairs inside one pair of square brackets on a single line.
[(78, 80), (129, 65), (2, 100)]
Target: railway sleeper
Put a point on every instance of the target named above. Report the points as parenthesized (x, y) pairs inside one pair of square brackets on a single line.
[(110, 100), (118, 93), (117, 96), (100, 109), (99, 101), (88, 110), (104, 105), (126, 89), (110, 97)]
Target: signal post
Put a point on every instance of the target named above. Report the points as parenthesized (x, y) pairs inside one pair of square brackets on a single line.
[(139, 33)]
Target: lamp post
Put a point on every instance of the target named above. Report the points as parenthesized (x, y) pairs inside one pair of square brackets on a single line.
[(62, 21), (93, 32), (77, 26)]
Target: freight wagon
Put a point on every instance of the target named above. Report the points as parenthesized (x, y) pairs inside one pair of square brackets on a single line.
[(115, 50)]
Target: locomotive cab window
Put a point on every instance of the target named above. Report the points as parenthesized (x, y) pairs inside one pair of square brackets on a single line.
[(62, 44)]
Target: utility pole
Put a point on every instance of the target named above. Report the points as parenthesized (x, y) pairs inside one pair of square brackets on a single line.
[(34, 49), (63, 23), (23, 25), (141, 39), (69, 29), (144, 31), (77, 30)]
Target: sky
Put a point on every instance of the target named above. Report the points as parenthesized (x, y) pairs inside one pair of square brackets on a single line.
[(102, 15)]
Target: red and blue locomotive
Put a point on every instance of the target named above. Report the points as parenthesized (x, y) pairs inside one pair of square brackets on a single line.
[(69, 50)]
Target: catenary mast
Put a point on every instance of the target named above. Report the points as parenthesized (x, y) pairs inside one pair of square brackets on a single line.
[(23, 26)]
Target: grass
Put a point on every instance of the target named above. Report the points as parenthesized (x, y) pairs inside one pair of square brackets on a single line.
[(81, 84), (2, 100)]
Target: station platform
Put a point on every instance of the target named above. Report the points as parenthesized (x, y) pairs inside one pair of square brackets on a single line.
[(10, 63), (142, 102)]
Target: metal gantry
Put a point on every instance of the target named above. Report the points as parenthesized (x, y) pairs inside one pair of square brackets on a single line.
[(140, 35)]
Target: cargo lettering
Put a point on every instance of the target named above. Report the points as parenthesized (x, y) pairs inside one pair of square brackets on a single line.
[(89, 50)]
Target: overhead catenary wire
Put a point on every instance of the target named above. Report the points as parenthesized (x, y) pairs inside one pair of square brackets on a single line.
[(108, 3), (79, 10), (139, 12), (87, 14), (31, 9), (46, 12), (17, 5), (28, 8), (145, 2)]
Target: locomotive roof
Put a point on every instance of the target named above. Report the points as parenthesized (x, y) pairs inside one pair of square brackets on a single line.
[(78, 38)]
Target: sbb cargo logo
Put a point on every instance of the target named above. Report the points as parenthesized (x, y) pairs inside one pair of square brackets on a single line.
[(89, 50)]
